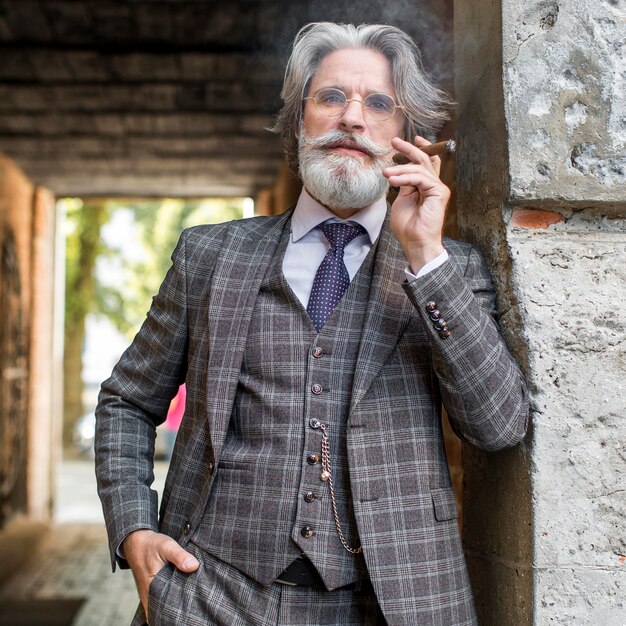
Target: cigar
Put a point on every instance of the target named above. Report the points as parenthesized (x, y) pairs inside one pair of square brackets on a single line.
[(433, 149)]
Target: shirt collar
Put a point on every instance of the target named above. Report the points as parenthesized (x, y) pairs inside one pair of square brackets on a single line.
[(309, 213)]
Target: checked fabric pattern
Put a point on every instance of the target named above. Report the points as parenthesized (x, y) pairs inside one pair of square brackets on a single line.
[(331, 279)]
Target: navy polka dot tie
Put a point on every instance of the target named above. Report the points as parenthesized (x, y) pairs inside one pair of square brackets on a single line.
[(332, 278)]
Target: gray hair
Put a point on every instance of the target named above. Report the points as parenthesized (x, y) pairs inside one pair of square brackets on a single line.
[(425, 106)]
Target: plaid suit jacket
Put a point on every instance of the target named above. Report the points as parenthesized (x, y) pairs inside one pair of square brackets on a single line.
[(196, 331)]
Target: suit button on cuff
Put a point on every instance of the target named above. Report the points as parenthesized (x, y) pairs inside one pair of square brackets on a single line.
[(431, 306), (444, 334), (440, 324), (435, 315), (307, 532)]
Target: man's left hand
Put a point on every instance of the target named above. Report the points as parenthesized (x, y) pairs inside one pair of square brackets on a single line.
[(417, 214)]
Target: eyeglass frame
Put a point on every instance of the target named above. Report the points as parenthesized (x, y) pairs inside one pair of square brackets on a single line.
[(349, 100)]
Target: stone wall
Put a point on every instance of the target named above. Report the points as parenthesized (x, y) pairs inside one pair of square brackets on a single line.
[(541, 188)]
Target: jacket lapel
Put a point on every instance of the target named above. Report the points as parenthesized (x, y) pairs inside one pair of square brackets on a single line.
[(388, 313), (239, 271)]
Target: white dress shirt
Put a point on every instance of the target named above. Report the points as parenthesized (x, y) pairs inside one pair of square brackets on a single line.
[(308, 246)]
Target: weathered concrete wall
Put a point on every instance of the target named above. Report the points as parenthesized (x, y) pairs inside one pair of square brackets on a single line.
[(571, 281), (541, 188), (565, 105)]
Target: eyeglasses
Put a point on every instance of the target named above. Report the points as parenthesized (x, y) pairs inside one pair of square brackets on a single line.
[(333, 102)]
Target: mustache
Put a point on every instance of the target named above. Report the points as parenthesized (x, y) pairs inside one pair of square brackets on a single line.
[(335, 138)]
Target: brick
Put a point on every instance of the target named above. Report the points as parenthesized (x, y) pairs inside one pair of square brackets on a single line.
[(154, 21), (137, 66), (24, 98), (70, 21), (87, 65), (15, 64), (227, 24), (108, 124), (27, 22), (199, 66), (5, 31), (535, 218), (112, 22), (49, 65), (115, 97)]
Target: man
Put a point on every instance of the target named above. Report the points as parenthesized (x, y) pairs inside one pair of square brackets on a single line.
[(309, 482)]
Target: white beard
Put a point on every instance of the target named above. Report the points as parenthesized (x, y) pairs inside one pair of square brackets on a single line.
[(341, 181)]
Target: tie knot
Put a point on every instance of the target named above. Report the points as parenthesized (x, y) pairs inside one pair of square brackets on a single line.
[(340, 234)]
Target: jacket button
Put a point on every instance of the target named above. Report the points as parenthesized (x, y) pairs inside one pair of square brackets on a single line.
[(317, 352), (211, 467), (316, 389), (307, 532), (186, 528), (312, 458), (309, 496)]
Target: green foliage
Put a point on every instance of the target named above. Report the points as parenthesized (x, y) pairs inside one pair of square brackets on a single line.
[(157, 225), (83, 245)]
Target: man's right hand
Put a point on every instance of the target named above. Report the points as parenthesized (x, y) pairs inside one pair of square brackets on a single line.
[(147, 552)]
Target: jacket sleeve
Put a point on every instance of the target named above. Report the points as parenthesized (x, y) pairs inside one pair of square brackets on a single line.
[(482, 387), (132, 402)]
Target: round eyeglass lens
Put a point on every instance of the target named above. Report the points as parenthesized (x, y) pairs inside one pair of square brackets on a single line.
[(330, 101), (379, 106)]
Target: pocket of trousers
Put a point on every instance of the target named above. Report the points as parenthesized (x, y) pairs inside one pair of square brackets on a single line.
[(156, 592)]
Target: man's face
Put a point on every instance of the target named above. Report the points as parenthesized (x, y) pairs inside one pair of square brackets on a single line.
[(342, 157), (358, 73)]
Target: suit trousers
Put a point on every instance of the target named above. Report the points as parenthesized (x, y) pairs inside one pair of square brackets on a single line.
[(217, 594)]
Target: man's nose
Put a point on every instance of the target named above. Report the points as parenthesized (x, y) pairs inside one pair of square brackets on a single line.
[(352, 118)]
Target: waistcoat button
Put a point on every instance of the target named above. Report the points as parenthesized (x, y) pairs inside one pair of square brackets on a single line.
[(317, 352), (316, 389), (186, 528), (307, 532), (314, 423), (312, 458), (309, 496)]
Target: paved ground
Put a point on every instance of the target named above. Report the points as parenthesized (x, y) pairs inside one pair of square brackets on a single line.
[(73, 560)]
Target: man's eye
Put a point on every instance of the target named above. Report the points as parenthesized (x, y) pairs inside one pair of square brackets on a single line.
[(331, 97), (379, 102)]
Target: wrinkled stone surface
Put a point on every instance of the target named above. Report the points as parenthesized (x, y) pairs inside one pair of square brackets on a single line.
[(564, 99), (571, 282)]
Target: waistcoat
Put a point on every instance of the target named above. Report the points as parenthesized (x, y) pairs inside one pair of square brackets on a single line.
[(268, 490)]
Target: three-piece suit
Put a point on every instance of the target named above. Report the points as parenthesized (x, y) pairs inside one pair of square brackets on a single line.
[(244, 485)]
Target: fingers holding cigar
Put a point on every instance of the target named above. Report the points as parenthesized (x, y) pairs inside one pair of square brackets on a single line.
[(420, 172), (410, 155), (441, 148)]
